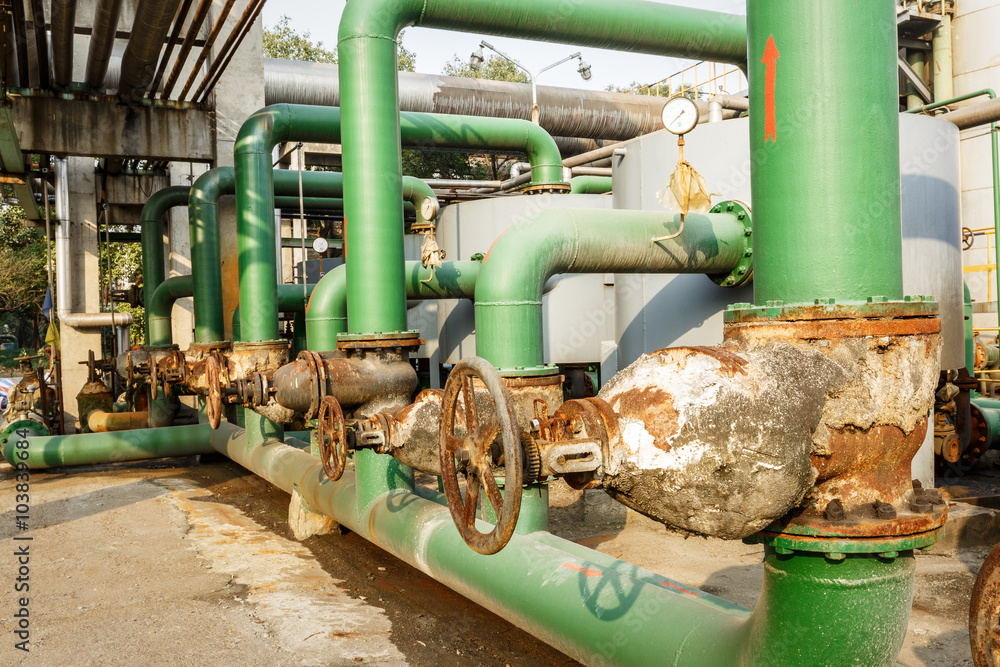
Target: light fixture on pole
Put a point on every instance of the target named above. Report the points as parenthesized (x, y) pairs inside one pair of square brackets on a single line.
[(476, 62)]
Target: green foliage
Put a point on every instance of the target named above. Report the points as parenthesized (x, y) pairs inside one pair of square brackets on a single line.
[(282, 41), (656, 90), (22, 276), (126, 270), (493, 68)]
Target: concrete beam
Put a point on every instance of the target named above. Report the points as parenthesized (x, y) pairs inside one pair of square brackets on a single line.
[(105, 128)]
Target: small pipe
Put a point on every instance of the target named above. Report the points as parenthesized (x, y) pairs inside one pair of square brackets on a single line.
[(200, 14), (944, 83), (590, 185), (326, 314), (100, 421), (159, 305), (509, 290), (231, 45), (175, 34), (93, 448), (220, 21)]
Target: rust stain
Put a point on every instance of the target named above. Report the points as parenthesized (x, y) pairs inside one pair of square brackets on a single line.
[(655, 407), (586, 572), (731, 364), (831, 329)]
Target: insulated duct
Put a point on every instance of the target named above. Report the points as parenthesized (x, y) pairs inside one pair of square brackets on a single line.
[(63, 20), (102, 42), (152, 21)]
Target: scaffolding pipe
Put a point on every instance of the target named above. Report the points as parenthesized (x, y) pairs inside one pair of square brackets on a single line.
[(63, 20), (529, 252), (102, 43), (326, 315)]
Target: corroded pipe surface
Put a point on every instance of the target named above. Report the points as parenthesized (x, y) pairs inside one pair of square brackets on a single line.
[(104, 422)]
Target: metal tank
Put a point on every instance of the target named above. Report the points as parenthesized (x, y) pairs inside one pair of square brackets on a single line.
[(654, 312)]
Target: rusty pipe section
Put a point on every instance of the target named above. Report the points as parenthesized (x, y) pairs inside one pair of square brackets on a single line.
[(365, 383), (817, 409)]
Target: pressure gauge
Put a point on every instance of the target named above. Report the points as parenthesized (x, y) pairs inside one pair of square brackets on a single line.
[(320, 245), (429, 208), (680, 115)]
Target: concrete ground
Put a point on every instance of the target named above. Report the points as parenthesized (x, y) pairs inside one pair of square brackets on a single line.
[(187, 563)]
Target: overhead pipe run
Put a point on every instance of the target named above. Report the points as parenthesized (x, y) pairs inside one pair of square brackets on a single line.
[(102, 42), (63, 21), (149, 32)]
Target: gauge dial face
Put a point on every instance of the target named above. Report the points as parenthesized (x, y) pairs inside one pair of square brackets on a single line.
[(320, 245), (429, 208), (680, 115)]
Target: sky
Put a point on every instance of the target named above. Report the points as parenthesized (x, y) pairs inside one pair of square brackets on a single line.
[(434, 48)]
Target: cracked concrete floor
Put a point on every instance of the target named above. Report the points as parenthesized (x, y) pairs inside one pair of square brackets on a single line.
[(194, 564)]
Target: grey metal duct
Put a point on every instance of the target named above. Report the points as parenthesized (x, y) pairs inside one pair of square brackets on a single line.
[(102, 42), (565, 112), (149, 32), (41, 38), (63, 20)]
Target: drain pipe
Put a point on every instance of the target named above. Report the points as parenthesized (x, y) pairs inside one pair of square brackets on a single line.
[(529, 252), (64, 273), (367, 44), (326, 315)]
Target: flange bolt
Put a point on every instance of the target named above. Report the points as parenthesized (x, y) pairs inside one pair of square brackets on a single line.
[(834, 510)]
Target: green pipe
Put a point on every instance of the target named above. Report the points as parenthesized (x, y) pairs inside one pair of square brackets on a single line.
[(291, 299), (382, 248), (989, 409), (159, 306), (151, 219), (590, 185), (94, 448), (551, 592), (326, 315), (828, 200), (529, 252), (367, 45), (944, 84), (995, 146)]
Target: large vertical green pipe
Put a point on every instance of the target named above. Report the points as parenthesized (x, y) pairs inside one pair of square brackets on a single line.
[(159, 306), (370, 103), (529, 252), (206, 257), (326, 315), (151, 219), (826, 196)]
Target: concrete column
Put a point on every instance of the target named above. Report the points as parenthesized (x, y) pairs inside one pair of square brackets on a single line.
[(179, 256), (239, 93), (84, 256)]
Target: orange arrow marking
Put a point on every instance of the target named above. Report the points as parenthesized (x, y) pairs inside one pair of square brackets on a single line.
[(586, 572), (770, 61)]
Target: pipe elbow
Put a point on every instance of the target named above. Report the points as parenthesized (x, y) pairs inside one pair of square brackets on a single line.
[(378, 19), (212, 186), (257, 134), (422, 197)]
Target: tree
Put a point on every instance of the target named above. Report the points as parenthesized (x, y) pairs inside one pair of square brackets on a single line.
[(654, 90), (493, 68), (22, 276), (126, 270), (282, 41)]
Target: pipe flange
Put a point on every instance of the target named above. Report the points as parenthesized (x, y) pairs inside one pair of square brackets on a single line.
[(835, 548), (258, 357), (317, 379), (380, 341), (547, 189), (529, 371), (15, 426), (874, 307), (743, 273)]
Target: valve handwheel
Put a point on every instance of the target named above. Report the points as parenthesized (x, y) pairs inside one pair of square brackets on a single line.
[(984, 613), (332, 438), (213, 405), (473, 455)]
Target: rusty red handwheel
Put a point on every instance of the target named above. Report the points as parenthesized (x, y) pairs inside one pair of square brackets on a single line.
[(332, 438), (984, 613), (213, 405), (473, 455)]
